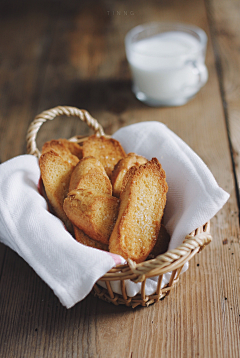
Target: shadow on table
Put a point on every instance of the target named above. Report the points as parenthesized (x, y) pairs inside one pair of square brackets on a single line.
[(109, 95)]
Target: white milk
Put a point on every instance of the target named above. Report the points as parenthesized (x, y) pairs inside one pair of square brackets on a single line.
[(167, 68)]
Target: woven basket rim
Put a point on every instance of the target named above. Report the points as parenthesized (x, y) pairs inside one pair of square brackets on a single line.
[(166, 262)]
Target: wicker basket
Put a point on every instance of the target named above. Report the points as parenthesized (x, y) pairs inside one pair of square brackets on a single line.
[(171, 261)]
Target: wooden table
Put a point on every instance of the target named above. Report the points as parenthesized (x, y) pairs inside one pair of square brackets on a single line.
[(72, 53)]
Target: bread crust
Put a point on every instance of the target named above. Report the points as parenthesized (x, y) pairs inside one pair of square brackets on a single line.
[(142, 203), (121, 169), (56, 174), (107, 150)]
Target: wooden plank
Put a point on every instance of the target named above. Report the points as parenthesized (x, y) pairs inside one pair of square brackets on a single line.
[(224, 18), (24, 44), (23, 47), (196, 319), (224, 21)]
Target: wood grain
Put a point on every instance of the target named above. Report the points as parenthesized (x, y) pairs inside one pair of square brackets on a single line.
[(226, 40), (72, 53)]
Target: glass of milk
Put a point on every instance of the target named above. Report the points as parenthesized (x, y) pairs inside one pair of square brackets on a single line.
[(167, 62)]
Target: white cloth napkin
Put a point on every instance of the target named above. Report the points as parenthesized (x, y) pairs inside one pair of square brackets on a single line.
[(71, 269)]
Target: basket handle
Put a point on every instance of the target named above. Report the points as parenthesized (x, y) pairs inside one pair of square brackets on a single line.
[(50, 115)]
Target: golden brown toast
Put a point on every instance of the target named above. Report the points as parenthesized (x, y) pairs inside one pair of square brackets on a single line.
[(89, 173), (107, 150), (142, 203), (121, 169), (84, 239), (60, 148), (56, 174), (74, 147), (93, 212)]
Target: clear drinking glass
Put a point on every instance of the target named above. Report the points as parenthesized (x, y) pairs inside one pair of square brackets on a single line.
[(167, 61)]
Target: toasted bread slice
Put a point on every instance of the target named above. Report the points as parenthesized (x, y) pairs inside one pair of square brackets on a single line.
[(89, 173), (107, 150), (84, 239), (121, 169), (56, 174), (92, 212), (74, 147), (142, 203), (60, 148)]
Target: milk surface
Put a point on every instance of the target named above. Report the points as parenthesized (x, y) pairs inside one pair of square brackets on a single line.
[(167, 66)]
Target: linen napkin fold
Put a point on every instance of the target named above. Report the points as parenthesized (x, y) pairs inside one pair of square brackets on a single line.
[(70, 268)]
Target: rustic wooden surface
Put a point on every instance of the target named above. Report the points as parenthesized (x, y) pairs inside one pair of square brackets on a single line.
[(72, 53)]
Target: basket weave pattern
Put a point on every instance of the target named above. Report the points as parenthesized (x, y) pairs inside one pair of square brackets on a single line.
[(171, 261)]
